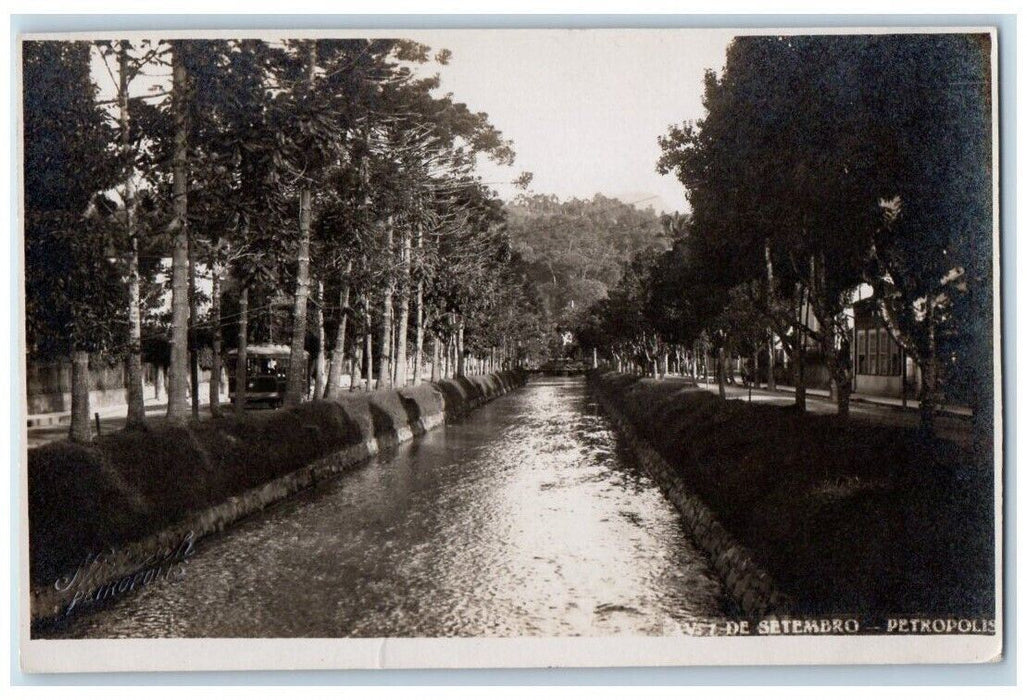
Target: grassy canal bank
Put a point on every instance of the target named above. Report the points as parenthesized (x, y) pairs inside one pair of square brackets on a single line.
[(140, 491), (846, 517)]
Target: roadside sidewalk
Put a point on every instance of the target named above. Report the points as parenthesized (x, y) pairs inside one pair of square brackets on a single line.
[(42, 420), (153, 406), (111, 420), (783, 390)]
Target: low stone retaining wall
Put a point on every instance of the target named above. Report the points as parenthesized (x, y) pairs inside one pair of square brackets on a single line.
[(110, 527), (751, 588)]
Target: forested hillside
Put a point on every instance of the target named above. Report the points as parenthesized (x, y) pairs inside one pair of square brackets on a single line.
[(575, 250)]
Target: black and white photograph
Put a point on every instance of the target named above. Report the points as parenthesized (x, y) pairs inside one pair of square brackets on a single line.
[(510, 347)]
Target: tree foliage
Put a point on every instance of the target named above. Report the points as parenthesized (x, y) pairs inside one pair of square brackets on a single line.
[(74, 299), (831, 161)]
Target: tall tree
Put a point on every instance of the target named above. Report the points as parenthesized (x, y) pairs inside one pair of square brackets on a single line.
[(296, 389), (127, 68), (930, 260), (178, 372), (880, 176), (759, 170), (75, 303)]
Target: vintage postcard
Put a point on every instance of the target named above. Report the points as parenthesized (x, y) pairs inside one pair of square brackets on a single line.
[(499, 348)]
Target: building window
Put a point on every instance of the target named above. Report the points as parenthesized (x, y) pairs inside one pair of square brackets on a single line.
[(877, 353), (861, 352), (872, 350)]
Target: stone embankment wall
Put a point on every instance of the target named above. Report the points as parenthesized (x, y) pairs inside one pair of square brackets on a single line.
[(812, 515), (134, 494), (746, 582)]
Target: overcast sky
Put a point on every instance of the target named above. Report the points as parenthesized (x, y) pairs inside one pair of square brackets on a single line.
[(583, 107)]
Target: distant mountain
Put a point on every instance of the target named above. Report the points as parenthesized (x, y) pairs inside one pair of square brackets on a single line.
[(644, 200)]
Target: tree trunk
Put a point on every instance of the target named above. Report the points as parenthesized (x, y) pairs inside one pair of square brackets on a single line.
[(319, 325), (385, 352), (392, 345), (178, 405), (270, 299), (215, 343), (339, 351), (460, 348), (194, 358), (800, 360), (721, 372), (800, 375), (929, 383), (419, 318), (399, 350), (81, 428), (356, 365), (771, 381), (753, 381), (160, 389), (369, 352), (843, 393), (436, 360), (841, 374), (136, 417), (419, 334), (404, 308), (297, 385), (240, 360), (800, 380)]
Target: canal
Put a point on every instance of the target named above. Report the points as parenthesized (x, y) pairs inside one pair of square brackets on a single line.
[(527, 518)]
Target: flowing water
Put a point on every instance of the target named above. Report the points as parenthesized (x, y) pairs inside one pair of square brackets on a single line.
[(528, 518)]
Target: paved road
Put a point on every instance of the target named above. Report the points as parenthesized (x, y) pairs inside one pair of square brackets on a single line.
[(956, 429), (154, 415)]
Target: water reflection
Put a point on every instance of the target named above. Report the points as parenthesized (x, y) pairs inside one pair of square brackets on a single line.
[(526, 519)]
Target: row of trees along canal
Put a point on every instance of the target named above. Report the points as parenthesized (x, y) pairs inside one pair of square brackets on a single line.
[(823, 163), (327, 172)]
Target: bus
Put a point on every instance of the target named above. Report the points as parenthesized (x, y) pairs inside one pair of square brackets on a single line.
[(267, 371)]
